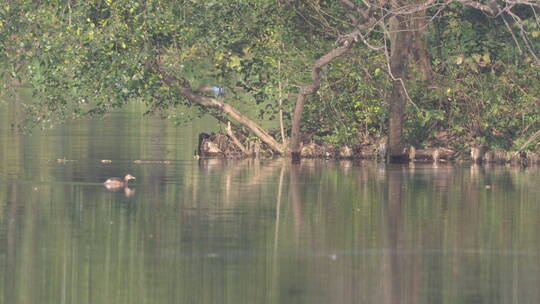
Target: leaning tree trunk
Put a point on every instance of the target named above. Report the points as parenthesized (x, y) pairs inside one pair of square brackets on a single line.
[(184, 88), (400, 46), (312, 88)]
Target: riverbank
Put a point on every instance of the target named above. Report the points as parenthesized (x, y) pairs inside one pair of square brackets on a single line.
[(217, 145)]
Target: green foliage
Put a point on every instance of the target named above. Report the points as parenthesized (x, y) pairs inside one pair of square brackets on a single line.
[(486, 92), (483, 91), (91, 57), (350, 107)]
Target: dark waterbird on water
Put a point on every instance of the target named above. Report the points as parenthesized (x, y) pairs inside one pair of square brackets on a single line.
[(115, 183)]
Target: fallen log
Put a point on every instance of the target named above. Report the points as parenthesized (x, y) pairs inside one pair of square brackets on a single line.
[(432, 154), (477, 154), (496, 156)]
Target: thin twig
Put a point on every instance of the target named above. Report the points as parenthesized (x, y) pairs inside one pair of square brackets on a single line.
[(235, 139), (513, 36), (531, 139), (523, 34)]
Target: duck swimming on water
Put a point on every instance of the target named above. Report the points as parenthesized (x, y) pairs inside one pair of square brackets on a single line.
[(117, 183)]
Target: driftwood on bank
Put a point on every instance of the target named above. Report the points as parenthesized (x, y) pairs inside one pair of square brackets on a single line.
[(483, 155), (477, 154), (524, 158), (432, 154), (217, 145), (312, 150), (235, 140)]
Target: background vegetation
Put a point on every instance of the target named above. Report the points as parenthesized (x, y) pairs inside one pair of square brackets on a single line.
[(471, 71)]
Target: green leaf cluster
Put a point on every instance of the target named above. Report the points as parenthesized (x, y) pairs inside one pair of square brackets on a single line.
[(91, 57)]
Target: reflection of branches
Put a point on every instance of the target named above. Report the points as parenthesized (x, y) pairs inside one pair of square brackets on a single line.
[(393, 264), (278, 207), (11, 233), (276, 229), (267, 170), (296, 197), (231, 170)]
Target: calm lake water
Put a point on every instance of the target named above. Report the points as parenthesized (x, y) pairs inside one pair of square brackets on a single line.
[(190, 231)]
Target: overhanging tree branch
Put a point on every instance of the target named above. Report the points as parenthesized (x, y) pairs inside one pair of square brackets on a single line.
[(184, 88), (313, 87)]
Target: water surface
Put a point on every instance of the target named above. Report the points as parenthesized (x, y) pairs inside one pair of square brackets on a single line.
[(209, 231)]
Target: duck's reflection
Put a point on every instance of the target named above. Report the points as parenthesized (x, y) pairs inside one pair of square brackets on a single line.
[(128, 192)]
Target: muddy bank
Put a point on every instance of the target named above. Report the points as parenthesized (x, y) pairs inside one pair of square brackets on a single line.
[(217, 145)]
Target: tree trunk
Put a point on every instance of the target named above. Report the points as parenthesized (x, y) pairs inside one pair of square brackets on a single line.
[(418, 49), (311, 89), (296, 122), (400, 47)]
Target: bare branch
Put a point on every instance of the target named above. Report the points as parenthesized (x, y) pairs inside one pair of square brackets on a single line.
[(411, 9), (513, 36), (235, 139), (530, 140), (364, 14), (523, 34), (491, 10), (524, 2)]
